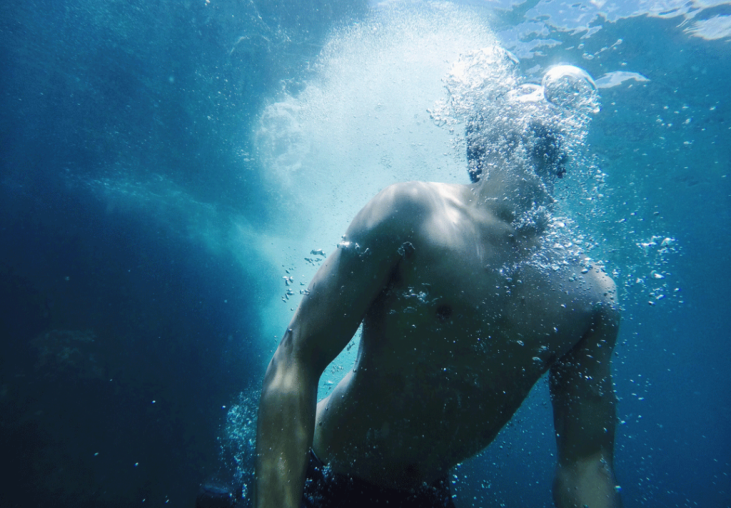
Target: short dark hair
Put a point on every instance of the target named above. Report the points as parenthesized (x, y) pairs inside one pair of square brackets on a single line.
[(505, 131), (547, 148)]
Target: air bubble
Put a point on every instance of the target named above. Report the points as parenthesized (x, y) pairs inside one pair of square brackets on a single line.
[(568, 86)]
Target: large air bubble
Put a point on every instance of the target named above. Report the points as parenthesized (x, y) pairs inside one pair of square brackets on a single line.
[(570, 87)]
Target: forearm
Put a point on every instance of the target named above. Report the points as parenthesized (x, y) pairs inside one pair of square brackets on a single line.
[(590, 484), (285, 429)]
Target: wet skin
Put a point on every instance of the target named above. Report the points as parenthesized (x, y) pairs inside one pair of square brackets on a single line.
[(462, 313), (451, 347)]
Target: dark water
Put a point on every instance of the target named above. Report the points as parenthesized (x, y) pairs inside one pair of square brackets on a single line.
[(157, 182)]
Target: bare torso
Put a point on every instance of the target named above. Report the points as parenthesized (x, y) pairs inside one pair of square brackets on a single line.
[(469, 322)]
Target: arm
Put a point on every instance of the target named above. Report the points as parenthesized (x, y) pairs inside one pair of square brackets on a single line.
[(584, 417), (339, 297)]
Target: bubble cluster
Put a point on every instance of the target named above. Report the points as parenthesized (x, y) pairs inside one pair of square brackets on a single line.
[(238, 443), (507, 119), (476, 78)]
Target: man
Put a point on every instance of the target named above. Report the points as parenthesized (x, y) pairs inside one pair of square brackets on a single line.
[(465, 304)]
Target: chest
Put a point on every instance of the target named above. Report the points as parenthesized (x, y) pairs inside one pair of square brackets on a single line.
[(473, 306)]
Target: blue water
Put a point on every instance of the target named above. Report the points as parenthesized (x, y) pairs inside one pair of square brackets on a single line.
[(164, 165)]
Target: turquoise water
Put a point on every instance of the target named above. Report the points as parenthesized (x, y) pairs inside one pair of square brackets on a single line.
[(173, 173)]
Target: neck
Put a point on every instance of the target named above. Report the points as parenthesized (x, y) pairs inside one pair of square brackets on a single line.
[(515, 193)]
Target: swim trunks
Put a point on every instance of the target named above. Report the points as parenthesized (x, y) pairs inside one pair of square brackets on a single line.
[(325, 489)]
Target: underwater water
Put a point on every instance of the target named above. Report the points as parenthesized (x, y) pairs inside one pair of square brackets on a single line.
[(172, 174)]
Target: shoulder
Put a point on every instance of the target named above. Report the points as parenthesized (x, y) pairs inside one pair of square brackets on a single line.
[(403, 198), (399, 208), (400, 213), (605, 302)]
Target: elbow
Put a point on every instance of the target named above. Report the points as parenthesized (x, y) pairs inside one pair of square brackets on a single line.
[(281, 375), (270, 375), (288, 373), (282, 361)]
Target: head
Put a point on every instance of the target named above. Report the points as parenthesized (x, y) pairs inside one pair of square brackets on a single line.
[(531, 124), (521, 128)]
